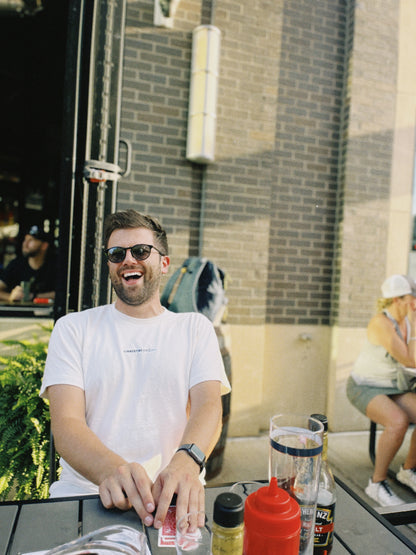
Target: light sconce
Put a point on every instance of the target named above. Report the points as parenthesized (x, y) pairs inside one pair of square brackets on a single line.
[(202, 116), (164, 12)]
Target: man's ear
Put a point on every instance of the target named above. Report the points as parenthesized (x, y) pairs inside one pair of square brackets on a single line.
[(165, 264)]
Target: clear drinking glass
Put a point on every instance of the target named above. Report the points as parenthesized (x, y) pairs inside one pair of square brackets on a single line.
[(104, 541), (295, 460), (190, 538)]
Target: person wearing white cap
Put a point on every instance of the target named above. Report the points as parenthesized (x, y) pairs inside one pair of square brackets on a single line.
[(380, 387)]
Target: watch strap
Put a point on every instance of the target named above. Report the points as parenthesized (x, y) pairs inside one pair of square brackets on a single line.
[(195, 453)]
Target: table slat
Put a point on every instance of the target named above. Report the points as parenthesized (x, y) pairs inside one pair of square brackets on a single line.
[(45, 525), (95, 516), (7, 516), (361, 531)]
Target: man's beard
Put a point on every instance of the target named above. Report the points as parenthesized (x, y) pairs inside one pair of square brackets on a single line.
[(31, 253), (137, 296)]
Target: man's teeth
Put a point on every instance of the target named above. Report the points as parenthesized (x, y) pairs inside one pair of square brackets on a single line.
[(135, 275)]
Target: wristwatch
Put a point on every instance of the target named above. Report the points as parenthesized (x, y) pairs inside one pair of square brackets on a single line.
[(195, 452)]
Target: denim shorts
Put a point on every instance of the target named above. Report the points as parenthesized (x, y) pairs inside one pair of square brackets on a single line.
[(361, 395)]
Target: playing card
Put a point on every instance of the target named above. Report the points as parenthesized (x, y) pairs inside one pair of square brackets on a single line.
[(167, 533)]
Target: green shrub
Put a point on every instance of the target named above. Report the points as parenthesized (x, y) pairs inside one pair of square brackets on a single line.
[(24, 422)]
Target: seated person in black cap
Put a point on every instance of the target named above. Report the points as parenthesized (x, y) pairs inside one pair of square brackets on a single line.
[(36, 265)]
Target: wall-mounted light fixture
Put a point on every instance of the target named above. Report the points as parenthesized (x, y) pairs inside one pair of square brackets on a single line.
[(202, 117), (164, 12)]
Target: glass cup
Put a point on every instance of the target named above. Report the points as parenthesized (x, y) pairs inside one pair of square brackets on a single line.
[(106, 541), (295, 460), (25, 285), (191, 538)]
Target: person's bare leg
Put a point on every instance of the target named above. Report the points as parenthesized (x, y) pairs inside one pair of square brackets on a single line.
[(407, 402), (395, 421)]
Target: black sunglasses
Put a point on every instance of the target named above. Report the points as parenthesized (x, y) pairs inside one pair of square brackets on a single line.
[(139, 252)]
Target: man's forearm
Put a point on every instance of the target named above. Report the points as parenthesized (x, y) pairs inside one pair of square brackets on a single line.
[(82, 449), (205, 419), (46, 295), (5, 296)]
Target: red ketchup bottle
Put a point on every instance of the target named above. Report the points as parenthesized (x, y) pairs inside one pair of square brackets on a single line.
[(271, 522)]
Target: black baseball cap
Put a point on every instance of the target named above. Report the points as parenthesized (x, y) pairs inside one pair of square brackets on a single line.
[(38, 233)]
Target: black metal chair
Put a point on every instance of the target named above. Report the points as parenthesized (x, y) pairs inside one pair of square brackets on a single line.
[(52, 460), (372, 442)]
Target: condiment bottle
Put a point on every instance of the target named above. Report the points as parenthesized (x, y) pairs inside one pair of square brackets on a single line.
[(228, 525), (272, 522), (325, 508)]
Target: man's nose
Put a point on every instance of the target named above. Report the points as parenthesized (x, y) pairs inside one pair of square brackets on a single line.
[(129, 257)]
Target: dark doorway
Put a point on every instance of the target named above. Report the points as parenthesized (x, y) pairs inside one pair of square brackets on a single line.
[(32, 64)]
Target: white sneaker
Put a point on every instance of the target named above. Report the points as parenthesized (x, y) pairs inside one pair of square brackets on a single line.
[(382, 493), (407, 477)]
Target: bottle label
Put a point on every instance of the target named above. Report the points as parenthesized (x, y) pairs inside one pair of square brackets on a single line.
[(324, 525), (227, 541), (306, 532)]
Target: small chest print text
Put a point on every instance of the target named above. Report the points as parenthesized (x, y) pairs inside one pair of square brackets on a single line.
[(140, 350)]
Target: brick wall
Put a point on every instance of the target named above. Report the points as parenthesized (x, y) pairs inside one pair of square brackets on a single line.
[(154, 119), (266, 210), (235, 226), (364, 184), (306, 162)]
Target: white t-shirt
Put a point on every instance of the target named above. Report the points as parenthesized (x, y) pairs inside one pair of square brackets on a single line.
[(136, 375)]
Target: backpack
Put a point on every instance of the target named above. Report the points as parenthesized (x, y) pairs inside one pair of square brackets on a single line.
[(197, 286)]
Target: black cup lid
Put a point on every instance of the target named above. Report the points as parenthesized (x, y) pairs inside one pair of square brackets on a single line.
[(322, 418), (228, 510)]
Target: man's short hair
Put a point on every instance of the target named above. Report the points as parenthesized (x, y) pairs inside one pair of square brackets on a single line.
[(131, 219)]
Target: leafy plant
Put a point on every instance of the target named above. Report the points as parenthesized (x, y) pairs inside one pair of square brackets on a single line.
[(24, 422)]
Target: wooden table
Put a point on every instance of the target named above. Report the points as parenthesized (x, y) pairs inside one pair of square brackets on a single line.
[(28, 526)]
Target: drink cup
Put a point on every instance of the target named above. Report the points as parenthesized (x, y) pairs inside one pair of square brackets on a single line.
[(25, 285), (110, 540), (295, 460), (191, 538)]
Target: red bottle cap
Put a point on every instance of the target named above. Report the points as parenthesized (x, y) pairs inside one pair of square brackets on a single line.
[(42, 300), (270, 511)]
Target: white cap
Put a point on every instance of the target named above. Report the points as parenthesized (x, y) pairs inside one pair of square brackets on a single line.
[(412, 284), (396, 286)]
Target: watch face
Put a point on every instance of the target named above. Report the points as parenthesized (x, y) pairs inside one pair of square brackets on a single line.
[(197, 453), (194, 452)]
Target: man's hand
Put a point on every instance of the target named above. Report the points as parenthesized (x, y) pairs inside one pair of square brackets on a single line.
[(181, 476), (16, 294), (129, 486)]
